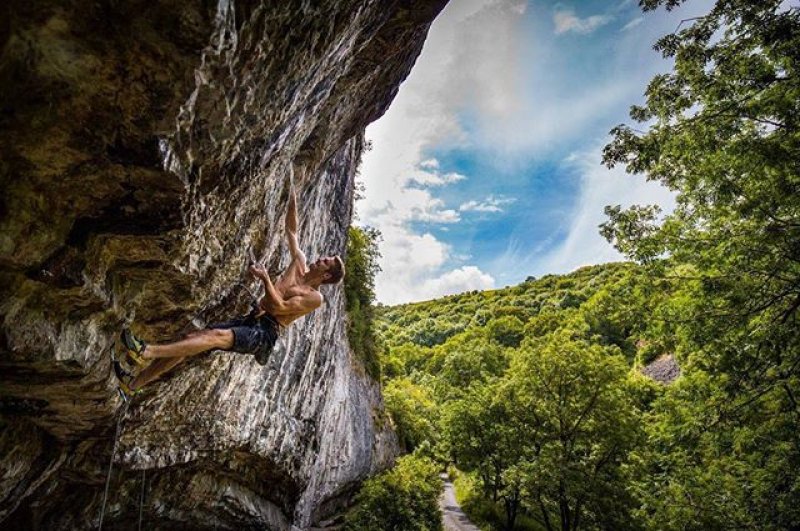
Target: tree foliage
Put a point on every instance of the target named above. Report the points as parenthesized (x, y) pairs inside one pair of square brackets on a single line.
[(359, 288), (413, 412), (571, 398), (401, 499), (725, 448)]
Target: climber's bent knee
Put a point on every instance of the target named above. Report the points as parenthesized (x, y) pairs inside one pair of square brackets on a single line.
[(222, 338)]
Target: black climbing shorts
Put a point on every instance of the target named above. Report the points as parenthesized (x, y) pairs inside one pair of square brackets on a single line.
[(252, 335)]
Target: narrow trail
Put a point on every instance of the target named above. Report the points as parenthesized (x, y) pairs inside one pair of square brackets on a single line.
[(453, 517)]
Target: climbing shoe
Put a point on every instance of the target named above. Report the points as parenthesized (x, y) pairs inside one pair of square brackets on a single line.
[(124, 379), (134, 348)]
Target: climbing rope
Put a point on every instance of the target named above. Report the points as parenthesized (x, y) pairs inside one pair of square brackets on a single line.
[(141, 497), (121, 416)]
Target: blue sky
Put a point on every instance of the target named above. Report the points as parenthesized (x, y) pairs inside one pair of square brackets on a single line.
[(486, 168)]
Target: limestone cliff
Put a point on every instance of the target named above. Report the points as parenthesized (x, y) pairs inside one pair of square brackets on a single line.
[(144, 149)]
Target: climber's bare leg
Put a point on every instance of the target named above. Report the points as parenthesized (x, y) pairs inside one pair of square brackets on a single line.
[(203, 341), (171, 354), (154, 371)]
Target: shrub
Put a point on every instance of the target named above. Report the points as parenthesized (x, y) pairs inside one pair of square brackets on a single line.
[(413, 410), (359, 288), (404, 498)]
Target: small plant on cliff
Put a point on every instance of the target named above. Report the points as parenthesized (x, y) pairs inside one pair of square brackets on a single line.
[(401, 499), (359, 287)]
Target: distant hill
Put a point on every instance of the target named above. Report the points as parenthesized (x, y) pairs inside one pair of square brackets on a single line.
[(609, 295)]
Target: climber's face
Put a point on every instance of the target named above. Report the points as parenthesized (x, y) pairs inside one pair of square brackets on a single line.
[(323, 264), (329, 268)]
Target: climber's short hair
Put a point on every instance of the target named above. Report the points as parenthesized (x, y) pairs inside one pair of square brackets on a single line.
[(336, 271)]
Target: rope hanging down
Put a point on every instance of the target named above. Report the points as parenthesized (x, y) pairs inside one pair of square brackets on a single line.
[(121, 416), (141, 497)]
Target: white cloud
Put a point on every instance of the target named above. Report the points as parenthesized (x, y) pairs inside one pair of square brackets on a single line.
[(633, 23), (470, 60), (412, 204), (464, 278), (565, 20), (599, 187), (434, 178), (490, 204), (415, 267)]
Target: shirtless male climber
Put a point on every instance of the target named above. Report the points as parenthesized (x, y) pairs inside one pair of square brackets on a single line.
[(294, 295)]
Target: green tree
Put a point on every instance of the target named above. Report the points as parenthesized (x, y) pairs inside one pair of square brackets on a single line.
[(506, 330), (572, 400), (406, 358), (413, 412), (359, 288), (401, 499), (553, 434), (724, 137), (466, 359), (482, 438)]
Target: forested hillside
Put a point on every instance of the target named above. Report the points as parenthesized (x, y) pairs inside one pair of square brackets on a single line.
[(505, 312)]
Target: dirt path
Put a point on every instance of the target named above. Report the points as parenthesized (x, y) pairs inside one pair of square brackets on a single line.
[(453, 517)]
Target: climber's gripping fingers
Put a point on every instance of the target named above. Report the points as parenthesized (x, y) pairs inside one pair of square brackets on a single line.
[(258, 271)]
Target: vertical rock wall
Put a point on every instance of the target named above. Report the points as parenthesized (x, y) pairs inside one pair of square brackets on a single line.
[(144, 149)]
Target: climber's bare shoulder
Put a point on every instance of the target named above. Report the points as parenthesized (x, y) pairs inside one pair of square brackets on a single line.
[(293, 275)]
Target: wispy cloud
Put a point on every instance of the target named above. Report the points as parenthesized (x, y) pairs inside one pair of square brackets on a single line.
[(566, 21), (600, 186), (490, 204), (633, 23), (434, 178)]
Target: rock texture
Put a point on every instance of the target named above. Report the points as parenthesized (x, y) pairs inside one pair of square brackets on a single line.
[(144, 149), (663, 369)]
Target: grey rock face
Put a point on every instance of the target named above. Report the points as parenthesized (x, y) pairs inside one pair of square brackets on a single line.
[(144, 150), (663, 369)]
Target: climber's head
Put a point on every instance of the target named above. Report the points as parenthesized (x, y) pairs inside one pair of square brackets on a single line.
[(331, 269)]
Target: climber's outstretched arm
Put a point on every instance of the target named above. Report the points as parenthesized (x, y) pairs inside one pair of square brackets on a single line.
[(291, 229)]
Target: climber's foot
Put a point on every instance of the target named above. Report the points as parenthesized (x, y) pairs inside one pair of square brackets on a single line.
[(134, 348), (124, 379), (126, 394)]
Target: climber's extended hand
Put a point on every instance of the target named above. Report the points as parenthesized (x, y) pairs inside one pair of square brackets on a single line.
[(259, 271)]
